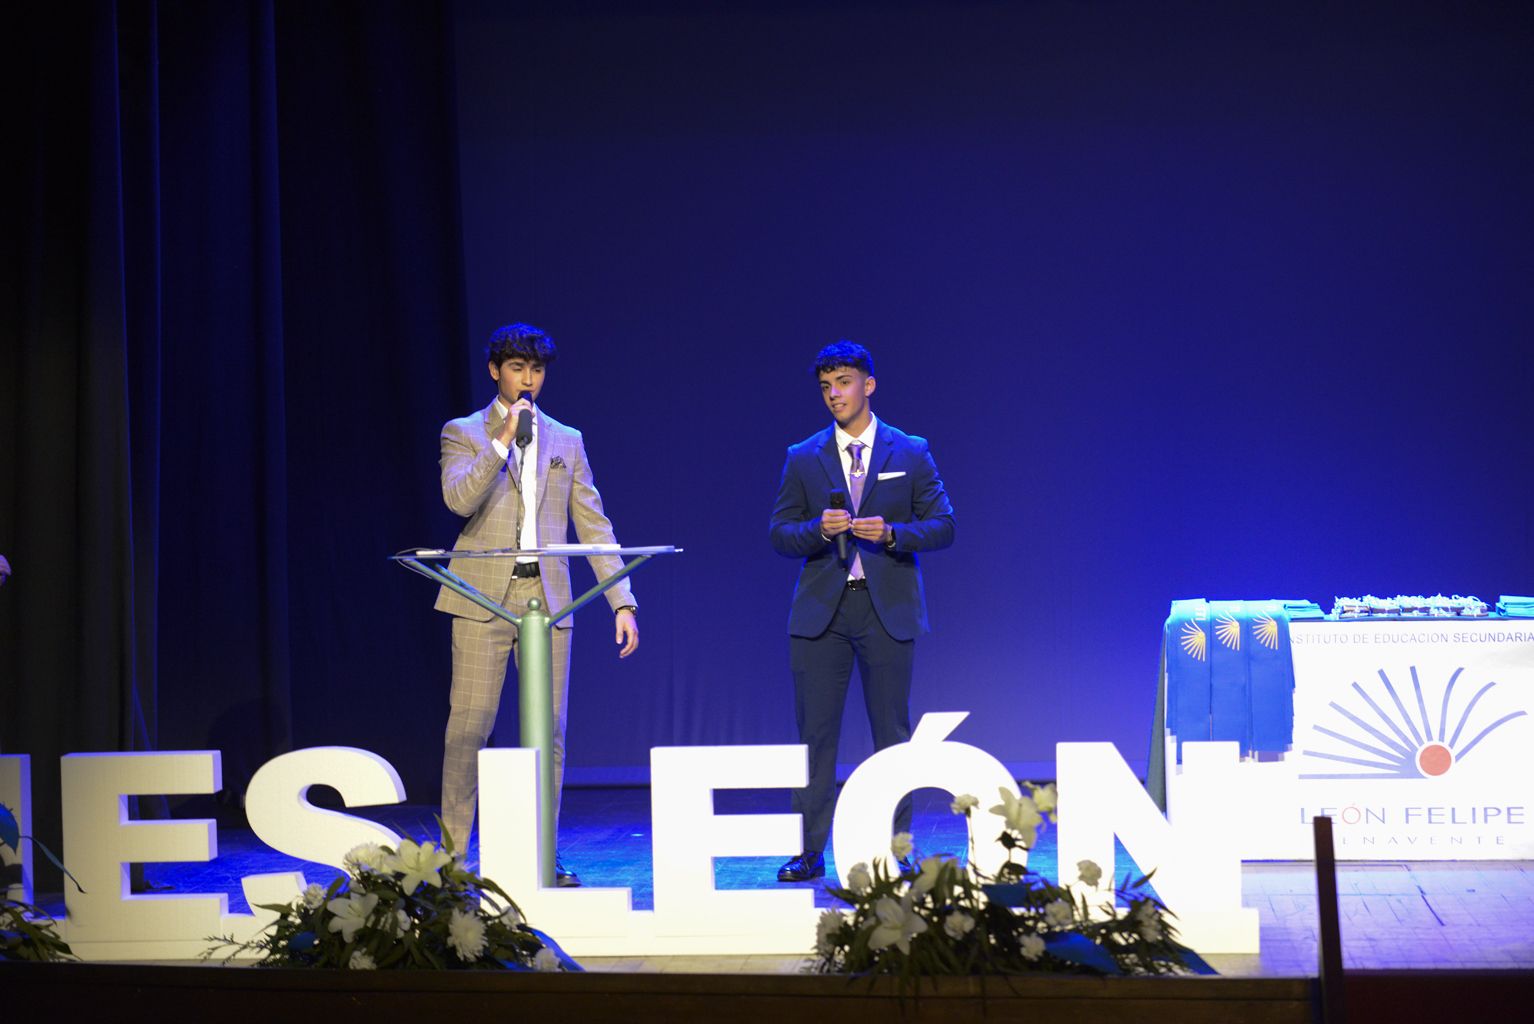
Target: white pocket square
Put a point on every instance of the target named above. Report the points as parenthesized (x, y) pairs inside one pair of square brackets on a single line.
[(892, 475)]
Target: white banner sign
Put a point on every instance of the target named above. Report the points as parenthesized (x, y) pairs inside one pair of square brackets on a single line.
[(1415, 736)]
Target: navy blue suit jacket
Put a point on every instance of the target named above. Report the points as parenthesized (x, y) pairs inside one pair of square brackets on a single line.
[(903, 487)]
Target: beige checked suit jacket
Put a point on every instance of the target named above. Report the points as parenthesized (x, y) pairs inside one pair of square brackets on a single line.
[(477, 484)]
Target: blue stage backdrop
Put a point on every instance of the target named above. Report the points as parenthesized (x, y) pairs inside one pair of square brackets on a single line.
[(1191, 299)]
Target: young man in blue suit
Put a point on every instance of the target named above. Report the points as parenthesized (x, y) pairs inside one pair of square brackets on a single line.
[(857, 501)]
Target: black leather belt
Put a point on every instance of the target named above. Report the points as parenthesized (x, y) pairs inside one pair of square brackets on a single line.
[(857, 584), (525, 570)]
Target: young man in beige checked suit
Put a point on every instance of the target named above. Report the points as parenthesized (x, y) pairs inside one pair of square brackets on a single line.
[(515, 497)]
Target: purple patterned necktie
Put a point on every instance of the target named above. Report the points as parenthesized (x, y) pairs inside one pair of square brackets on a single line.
[(857, 478)]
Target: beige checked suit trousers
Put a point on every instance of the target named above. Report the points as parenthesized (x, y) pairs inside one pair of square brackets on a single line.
[(481, 651), (477, 485)]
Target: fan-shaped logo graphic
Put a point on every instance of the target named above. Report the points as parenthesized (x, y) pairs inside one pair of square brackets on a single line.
[(1388, 743), (1228, 630), (1194, 643), (1265, 629)]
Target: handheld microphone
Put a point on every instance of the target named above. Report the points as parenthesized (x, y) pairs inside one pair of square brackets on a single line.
[(525, 423), (839, 500)]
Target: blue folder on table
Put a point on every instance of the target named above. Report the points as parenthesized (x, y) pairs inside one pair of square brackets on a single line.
[(1229, 673)]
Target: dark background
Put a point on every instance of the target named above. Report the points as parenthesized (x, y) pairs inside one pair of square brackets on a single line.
[(1191, 299)]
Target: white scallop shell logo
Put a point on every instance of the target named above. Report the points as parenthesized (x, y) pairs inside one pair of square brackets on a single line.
[(1193, 641)]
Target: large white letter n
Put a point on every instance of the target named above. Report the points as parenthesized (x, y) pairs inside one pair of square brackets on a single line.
[(1197, 864)]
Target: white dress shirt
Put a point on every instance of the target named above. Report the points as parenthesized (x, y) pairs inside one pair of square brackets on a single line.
[(527, 475), (843, 439)]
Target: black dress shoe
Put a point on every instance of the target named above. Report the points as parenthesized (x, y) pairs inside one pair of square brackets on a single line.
[(564, 878), (803, 868)]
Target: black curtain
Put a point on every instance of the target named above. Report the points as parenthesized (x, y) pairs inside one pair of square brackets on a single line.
[(233, 316)]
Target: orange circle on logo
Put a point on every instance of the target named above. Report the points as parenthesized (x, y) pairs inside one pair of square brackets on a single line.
[(1434, 759)]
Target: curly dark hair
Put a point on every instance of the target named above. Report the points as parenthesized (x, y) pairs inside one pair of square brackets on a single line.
[(844, 353), (520, 341)]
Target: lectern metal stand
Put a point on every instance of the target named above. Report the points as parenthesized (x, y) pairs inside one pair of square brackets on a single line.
[(535, 690)]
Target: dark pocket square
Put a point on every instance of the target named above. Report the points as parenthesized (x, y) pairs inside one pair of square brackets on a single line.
[(556, 463)]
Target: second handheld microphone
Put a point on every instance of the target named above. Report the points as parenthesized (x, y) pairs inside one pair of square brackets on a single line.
[(839, 500)]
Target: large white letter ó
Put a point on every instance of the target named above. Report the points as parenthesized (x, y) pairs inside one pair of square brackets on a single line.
[(866, 808)]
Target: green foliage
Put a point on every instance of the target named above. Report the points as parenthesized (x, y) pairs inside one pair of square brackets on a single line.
[(26, 931), (941, 917)]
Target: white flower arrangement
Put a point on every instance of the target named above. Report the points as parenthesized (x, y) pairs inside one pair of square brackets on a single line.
[(415, 907), (940, 916)]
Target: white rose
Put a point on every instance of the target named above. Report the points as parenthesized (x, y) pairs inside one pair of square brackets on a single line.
[(364, 857), (466, 934), (1058, 913), (958, 924), (1147, 921)]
